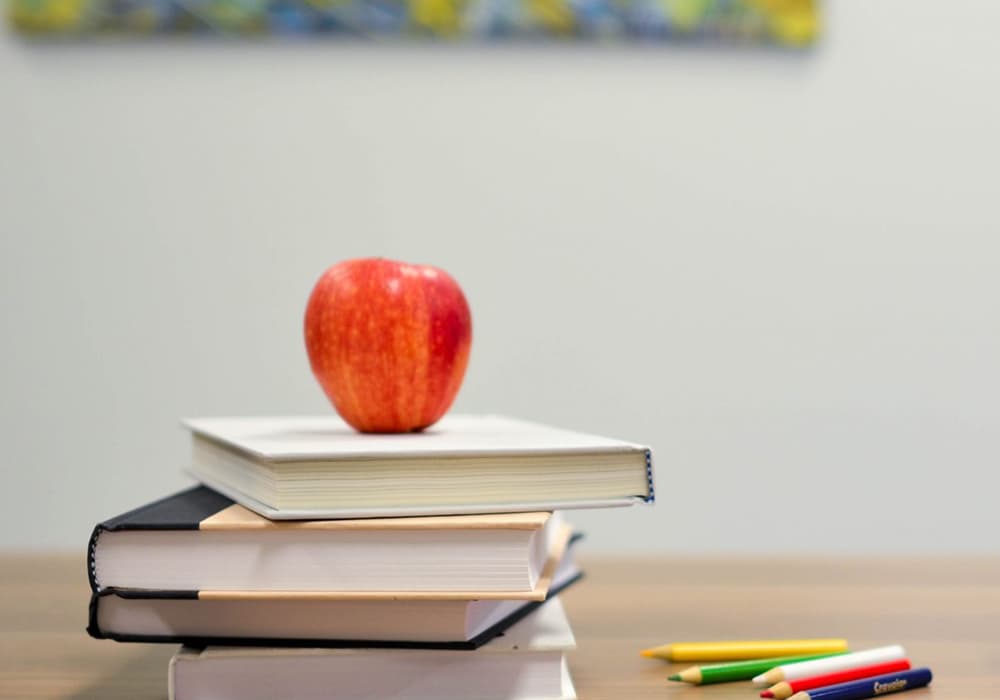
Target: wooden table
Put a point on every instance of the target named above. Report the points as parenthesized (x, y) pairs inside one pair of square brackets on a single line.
[(945, 611)]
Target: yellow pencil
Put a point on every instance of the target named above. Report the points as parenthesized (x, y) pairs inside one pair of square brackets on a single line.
[(737, 651)]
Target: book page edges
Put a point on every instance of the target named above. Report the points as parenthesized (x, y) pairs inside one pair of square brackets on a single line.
[(545, 629), (539, 592), (406, 511)]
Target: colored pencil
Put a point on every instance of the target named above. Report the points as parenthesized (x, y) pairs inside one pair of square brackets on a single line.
[(786, 689), (738, 651), (738, 670), (870, 687), (793, 672)]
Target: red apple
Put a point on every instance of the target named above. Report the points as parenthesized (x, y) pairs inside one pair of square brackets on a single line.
[(388, 342)]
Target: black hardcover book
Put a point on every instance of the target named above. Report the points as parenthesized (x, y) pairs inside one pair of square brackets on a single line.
[(166, 572), (149, 616)]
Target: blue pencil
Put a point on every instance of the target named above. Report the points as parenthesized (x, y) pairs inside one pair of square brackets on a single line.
[(870, 687)]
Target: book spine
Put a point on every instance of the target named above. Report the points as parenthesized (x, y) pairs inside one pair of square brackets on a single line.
[(651, 494), (92, 557), (93, 614), (94, 629)]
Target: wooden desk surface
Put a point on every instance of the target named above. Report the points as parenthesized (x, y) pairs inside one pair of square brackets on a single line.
[(945, 611)]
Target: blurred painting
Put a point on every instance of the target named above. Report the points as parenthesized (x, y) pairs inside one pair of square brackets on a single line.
[(789, 23)]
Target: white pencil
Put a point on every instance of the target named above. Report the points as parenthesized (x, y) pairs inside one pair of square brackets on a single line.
[(805, 669)]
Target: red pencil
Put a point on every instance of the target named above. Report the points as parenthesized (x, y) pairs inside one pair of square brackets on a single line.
[(786, 689)]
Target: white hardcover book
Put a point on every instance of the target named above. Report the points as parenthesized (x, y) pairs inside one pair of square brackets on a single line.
[(319, 467), (527, 663)]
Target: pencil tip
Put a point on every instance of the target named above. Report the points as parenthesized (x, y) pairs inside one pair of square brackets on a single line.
[(648, 653), (766, 694), (675, 677)]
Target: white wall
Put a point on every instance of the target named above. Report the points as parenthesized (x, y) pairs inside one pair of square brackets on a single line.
[(779, 270)]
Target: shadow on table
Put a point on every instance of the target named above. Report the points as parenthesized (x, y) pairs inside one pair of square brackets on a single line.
[(142, 677)]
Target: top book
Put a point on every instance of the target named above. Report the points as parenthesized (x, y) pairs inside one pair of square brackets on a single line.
[(319, 467)]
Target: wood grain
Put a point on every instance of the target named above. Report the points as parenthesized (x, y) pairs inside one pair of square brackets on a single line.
[(946, 611)]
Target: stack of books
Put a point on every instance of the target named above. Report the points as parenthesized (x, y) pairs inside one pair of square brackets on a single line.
[(317, 562)]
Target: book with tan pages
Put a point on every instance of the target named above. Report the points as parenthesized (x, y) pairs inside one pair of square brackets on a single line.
[(179, 617), (201, 542)]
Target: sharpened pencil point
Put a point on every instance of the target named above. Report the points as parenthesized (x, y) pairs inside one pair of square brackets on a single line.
[(660, 652), (766, 694), (675, 677), (760, 680)]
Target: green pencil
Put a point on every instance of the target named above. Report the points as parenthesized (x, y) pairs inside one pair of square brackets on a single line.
[(739, 670)]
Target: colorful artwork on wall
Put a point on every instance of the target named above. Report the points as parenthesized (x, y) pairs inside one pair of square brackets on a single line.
[(792, 23)]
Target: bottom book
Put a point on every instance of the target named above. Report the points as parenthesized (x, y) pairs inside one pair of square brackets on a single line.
[(527, 662)]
